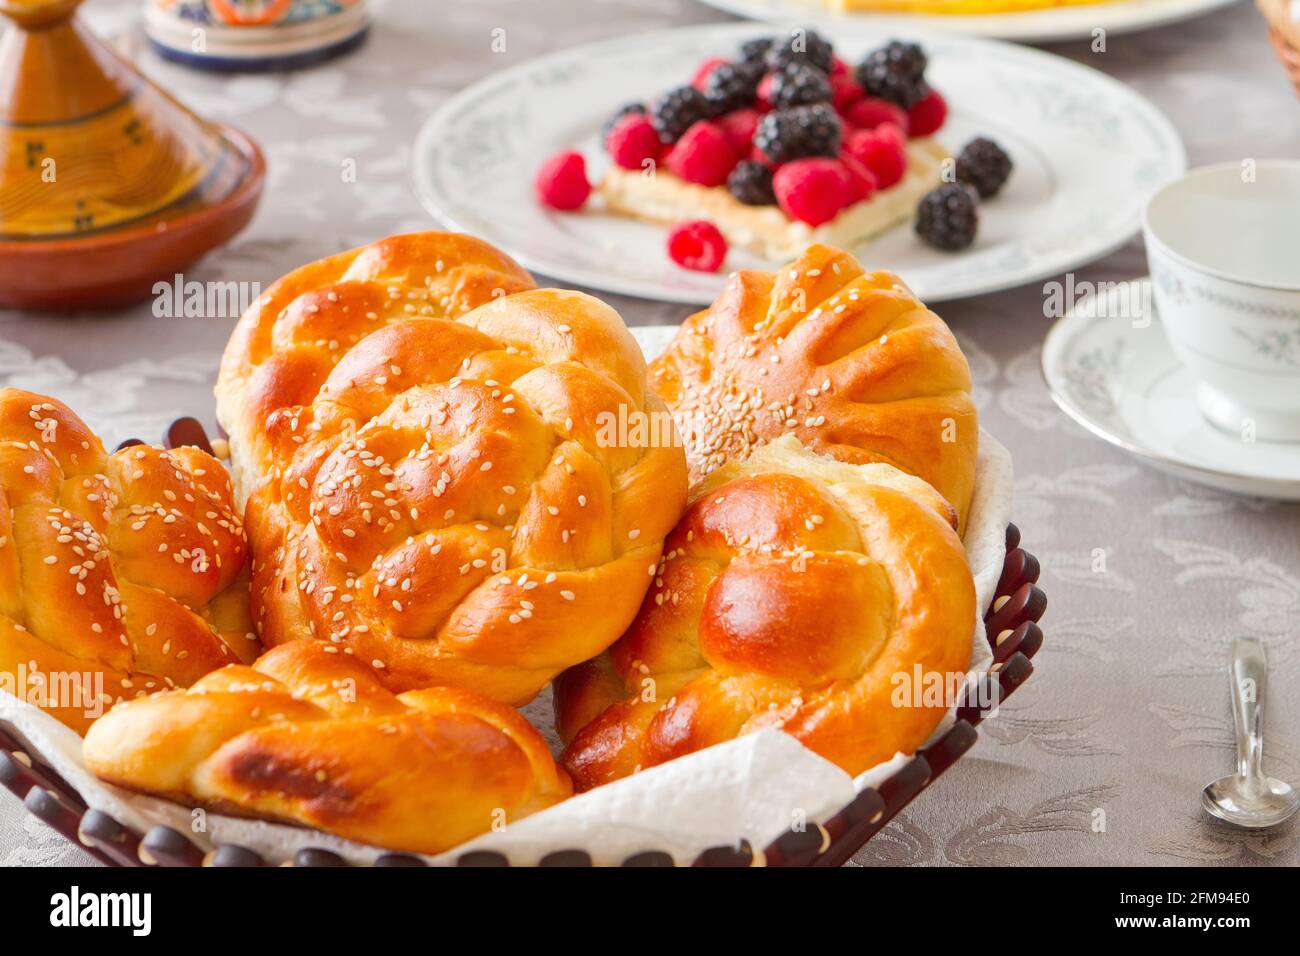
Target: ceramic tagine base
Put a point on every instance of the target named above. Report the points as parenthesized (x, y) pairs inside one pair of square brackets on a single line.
[(107, 184), (251, 35)]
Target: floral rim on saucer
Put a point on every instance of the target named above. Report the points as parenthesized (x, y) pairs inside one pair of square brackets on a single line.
[(1110, 367)]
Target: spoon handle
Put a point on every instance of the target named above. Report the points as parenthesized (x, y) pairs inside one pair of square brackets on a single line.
[(1249, 673)]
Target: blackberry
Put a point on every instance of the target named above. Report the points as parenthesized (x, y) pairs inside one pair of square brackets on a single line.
[(626, 110), (801, 46), (751, 183), (798, 84), (755, 51), (798, 132), (948, 216), (676, 111), (985, 165), (895, 72), (732, 86)]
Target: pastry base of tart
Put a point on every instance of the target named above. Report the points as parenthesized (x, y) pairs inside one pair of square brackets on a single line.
[(954, 7), (766, 230)]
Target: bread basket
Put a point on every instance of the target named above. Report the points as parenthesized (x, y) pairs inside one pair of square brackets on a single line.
[(1014, 635)]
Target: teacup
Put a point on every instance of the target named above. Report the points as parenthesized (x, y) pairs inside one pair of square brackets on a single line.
[(1223, 244)]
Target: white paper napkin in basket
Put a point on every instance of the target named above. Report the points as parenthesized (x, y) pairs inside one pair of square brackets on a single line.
[(753, 788)]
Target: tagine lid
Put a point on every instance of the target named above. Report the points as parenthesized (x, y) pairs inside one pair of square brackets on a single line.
[(92, 150)]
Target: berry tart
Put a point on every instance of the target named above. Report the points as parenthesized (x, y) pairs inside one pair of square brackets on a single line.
[(782, 146)]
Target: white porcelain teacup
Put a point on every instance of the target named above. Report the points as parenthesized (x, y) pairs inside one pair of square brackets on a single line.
[(1223, 243)]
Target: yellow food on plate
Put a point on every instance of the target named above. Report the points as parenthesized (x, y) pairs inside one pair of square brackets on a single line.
[(955, 7)]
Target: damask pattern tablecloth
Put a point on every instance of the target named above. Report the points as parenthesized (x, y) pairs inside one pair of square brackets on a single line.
[(1100, 757)]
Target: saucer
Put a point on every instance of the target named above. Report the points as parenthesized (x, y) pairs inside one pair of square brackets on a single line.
[(1110, 367)]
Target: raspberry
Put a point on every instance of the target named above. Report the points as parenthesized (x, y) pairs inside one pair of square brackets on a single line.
[(703, 155), (764, 93), (870, 112), (928, 114), (892, 131), (697, 245), (739, 127), (881, 152), (840, 69), (845, 93), (862, 183), (812, 190), (562, 181), (701, 76), (632, 141), (628, 110)]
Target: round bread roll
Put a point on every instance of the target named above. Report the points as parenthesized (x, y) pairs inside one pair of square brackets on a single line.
[(797, 592), (454, 501), (309, 735), (119, 574), (848, 362)]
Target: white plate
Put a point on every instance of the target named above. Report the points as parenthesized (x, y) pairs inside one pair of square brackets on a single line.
[(1113, 371), (1087, 149), (1034, 26)]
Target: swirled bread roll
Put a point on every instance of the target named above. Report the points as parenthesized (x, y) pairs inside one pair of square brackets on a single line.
[(793, 594)]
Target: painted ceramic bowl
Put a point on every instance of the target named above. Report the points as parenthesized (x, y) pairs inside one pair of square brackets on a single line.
[(1221, 242), (107, 183), (254, 34)]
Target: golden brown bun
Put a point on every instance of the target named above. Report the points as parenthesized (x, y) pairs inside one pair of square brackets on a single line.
[(309, 735), (791, 593), (286, 345), (445, 501), (848, 362), (130, 566)]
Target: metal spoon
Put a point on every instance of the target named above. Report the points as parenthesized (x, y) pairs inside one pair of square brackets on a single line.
[(1248, 798)]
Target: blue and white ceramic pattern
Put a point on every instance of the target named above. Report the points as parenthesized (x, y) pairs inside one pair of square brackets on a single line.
[(1110, 367), (234, 35)]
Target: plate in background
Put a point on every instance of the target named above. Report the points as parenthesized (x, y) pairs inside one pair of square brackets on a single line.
[(1033, 26), (1088, 150)]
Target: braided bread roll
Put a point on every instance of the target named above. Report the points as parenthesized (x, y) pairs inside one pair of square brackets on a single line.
[(446, 501), (289, 341), (790, 595), (848, 362), (128, 569), (309, 735)]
